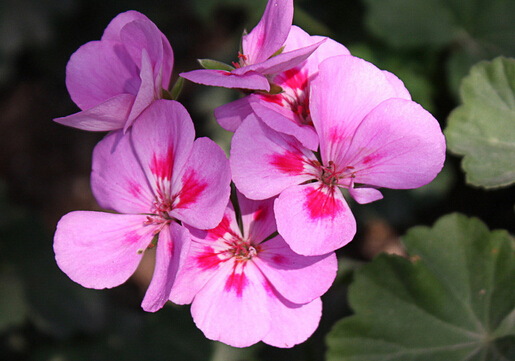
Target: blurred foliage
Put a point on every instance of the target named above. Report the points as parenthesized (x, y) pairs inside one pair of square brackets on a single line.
[(470, 30), (44, 167), (453, 299)]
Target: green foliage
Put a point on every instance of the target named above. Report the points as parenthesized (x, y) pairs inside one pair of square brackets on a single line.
[(483, 127), (13, 307), (473, 30), (215, 65), (453, 300)]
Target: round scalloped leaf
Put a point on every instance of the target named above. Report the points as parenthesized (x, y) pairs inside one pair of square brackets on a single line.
[(483, 127), (454, 299)]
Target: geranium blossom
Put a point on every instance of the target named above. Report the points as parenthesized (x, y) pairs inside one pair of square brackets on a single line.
[(286, 111), (371, 136), (247, 286), (262, 56), (114, 79), (154, 176)]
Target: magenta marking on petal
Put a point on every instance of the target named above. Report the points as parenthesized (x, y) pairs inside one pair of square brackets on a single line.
[(134, 189), (335, 135), (236, 282), (279, 259), (170, 247), (162, 167), (320, 204), (219, 231), (208, 259), (192, 188), (294, 79), (261, 213), (132, 237), (223, 72), (273, 98), (289, 163), (369, 158)]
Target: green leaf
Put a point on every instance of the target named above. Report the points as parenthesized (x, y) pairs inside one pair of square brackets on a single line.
[(483, 128), (453, 300), (215, 65)]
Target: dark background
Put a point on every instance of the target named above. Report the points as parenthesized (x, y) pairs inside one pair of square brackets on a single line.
[(44, 170)]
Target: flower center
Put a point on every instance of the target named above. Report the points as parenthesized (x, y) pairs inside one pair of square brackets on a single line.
[(242, 250), (329, 174), (241, 62)]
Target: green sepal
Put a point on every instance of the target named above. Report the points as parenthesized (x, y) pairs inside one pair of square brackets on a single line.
[(177, 88), (215, 65)]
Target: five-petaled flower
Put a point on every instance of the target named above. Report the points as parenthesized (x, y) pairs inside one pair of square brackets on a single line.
[(155, 176), (262, 55), (247, 285), (371, 135), (286, 111), (114, 79)]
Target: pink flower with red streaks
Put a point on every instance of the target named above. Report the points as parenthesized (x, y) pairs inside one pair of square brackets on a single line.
[(155, 176), (371, 136), (114, 79), (247, 285), (261, 56), (286, 111)]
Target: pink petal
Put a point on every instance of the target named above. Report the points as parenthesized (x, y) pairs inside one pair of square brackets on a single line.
[(313, 220), (344, 92), (146, 93), (117, 179), (299, 279), (284, 121), (167, 63), (298, 38), (270, 33), (281, 62), (163, 138), (365, 195), (398, 145), (257, 218), (291, 323), (398, 85), (141, 35), (232, 114), (172, 248), (98, 71), (111, 114), (112, 32), (100, 250), (269, 163), (232, 307), (205, 257), (201, 189), (247, 80)]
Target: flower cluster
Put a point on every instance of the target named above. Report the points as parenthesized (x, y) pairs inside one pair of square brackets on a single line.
[(314, 120)]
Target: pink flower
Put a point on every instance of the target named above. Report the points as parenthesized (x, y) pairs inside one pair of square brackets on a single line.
[(371, 136), (114, 79), (155, 176), (288, 110), (248, 286), (260, 58)]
